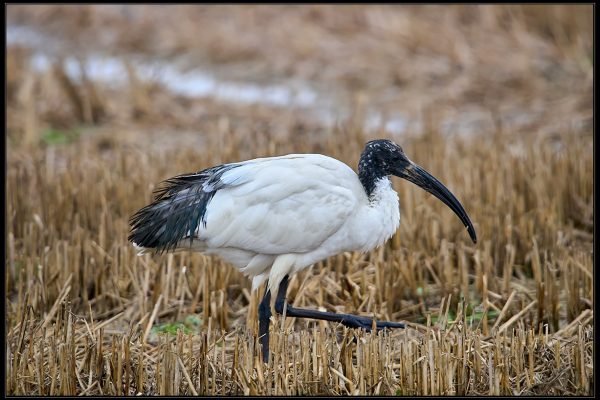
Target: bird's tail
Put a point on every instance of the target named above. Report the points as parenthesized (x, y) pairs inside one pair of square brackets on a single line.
[(173, 217), (178, 212)]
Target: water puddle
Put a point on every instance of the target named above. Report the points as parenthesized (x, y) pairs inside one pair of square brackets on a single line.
[(198, 83), (195, 83)]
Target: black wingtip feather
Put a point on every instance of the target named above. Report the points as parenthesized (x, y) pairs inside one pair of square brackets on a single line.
[(179, 206)]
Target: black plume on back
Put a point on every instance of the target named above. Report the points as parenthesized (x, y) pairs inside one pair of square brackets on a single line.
[(178, 209)]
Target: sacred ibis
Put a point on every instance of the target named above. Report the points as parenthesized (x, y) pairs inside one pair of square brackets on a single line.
[(272, 217)]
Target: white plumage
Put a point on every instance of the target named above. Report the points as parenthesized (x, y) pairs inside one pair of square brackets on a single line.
[(272, 217), (276, 216)]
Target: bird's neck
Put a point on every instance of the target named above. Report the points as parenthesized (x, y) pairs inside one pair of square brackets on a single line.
[(378, 221), (369, 176), (383, 194), (371, 170)]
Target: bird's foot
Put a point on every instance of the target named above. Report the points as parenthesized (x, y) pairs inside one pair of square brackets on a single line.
[(366, 323)]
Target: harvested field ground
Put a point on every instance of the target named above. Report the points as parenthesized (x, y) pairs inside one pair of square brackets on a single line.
[(495, 101)]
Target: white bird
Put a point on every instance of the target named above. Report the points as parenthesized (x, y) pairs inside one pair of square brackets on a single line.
[(272, 217)]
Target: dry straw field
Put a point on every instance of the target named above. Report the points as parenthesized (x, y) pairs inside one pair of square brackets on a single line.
[(495, 101)]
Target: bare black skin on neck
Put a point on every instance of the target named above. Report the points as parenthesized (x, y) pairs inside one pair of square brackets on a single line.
[(377, 161)]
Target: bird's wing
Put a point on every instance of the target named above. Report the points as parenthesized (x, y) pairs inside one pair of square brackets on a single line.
[(270, 206), (281, 205), (178, 209)]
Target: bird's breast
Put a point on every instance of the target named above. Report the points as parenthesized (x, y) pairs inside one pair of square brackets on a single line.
[(379, 219)]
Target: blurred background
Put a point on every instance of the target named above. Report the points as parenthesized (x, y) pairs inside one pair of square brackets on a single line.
[(103, 102), (468, 70)]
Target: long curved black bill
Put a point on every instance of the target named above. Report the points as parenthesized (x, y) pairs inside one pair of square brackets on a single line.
[(425, 180)]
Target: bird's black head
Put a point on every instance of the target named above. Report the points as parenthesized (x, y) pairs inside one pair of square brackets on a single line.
[(382, 158), (379, 159)]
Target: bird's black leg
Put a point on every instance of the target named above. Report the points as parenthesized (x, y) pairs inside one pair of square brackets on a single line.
[(349, 320), (264, 319)]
